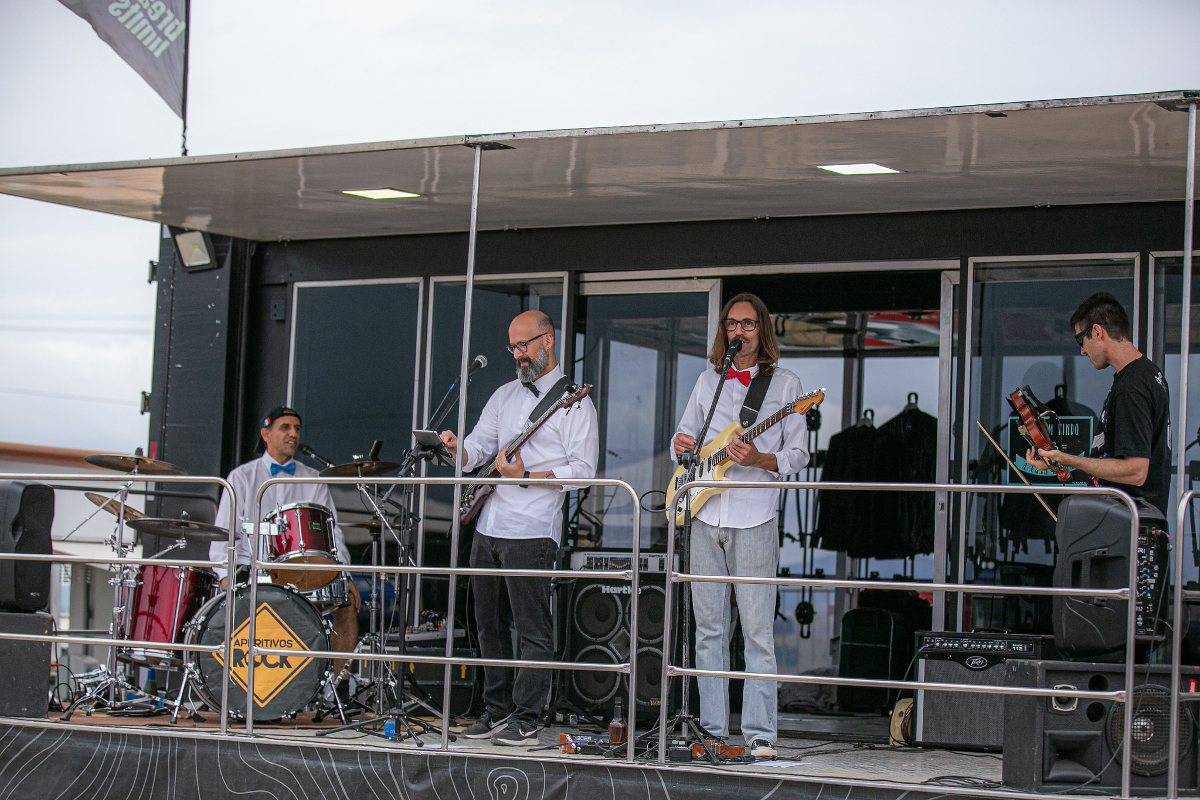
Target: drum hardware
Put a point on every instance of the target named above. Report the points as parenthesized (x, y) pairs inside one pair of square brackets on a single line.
[(380, 678), (110, 688)]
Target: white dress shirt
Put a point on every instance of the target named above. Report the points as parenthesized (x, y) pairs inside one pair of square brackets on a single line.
[(568, 445), (787, 440), (245, 481)]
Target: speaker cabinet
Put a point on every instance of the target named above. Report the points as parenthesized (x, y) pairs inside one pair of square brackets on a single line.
[(967, 720), (1058, 744), (26, 514), (466, 686), (1093, 553), (24, 667), (594, 629)]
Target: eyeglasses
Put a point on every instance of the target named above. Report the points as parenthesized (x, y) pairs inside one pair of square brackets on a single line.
[(1084, 334), (523, 347), (747, 324)]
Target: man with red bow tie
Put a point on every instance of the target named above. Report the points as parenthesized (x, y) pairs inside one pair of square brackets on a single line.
[(736, 532)]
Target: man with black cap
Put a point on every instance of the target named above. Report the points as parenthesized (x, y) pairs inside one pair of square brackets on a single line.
[(279, 430)]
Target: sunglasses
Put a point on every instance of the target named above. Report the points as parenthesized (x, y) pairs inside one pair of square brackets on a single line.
[(1079, 337)]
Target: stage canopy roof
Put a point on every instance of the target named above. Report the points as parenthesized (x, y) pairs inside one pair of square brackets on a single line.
[(1129, 148)]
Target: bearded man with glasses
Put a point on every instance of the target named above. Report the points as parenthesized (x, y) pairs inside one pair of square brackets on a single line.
[(736, 533), (520, 526)]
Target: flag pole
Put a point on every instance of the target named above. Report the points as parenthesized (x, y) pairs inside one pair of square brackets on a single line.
[(187, 50)]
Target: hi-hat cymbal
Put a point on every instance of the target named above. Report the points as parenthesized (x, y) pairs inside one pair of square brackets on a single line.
[(179, 529), (359, 469), (122, 462), (110, 505)]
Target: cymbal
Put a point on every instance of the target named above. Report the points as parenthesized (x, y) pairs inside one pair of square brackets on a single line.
[(359, 469), (110, 505), (122, 462), (179, 529)]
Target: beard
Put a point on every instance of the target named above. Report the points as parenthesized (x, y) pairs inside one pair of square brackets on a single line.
[(529, 373)]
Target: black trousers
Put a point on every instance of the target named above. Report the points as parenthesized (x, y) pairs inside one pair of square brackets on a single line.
[(504, 604)]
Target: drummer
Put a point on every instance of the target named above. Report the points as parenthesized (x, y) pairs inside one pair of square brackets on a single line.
[(279, 430)]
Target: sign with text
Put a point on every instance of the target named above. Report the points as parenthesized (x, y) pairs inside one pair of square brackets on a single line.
[(1074, 436)]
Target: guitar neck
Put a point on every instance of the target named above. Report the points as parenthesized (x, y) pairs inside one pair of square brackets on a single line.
[(522, 437), (753, 433)]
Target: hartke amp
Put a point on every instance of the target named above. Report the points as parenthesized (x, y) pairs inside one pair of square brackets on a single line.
[(967, 720), (24, 666), (1093, 553), (593, 627), (1058, 744), (26, 514)]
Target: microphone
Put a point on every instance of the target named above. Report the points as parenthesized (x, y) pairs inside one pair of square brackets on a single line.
[(479, 363), (314, 455), (373, 453), (732, 349)]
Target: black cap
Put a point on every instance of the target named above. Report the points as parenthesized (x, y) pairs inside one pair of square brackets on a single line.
[(277, 412)]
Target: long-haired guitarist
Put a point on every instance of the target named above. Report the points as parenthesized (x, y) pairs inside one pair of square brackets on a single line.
[(735, 533), (519, 527)]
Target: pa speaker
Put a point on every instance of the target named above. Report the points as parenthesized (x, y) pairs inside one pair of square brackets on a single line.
[(1059, 744), (26, 514), (1093, 535)]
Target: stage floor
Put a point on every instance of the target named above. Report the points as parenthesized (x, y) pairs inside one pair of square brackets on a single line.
[(833, 757)]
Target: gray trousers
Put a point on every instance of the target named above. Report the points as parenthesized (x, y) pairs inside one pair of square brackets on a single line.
[(746, 552)]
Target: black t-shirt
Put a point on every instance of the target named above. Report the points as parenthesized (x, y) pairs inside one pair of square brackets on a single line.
[(1136, 423)]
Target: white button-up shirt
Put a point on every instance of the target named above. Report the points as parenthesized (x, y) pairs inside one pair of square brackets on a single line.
[(245, 481), (787, 440), (568, 445)]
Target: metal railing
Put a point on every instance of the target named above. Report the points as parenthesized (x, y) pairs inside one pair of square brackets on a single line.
[(672, 578), (453, 571), (230, 559), (669, 670), (1186, 499)]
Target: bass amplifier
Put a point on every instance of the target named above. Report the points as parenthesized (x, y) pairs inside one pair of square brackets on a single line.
[(967, 720)]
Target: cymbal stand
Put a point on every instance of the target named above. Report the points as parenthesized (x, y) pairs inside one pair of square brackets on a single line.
[(107, 686)]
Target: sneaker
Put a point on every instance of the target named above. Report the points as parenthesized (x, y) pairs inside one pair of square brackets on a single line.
[(761, 749), (484, 727), (517, 733)]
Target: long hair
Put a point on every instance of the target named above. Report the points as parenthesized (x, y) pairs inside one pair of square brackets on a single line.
[(768, 345)]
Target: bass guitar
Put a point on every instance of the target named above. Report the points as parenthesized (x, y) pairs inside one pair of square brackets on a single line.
[(714, 455), (476, 494)]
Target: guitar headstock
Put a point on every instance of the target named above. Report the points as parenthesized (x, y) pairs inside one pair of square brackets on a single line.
[(806, 402), (573, 397)]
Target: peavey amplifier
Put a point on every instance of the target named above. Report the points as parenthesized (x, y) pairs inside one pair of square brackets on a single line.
[(967, 720)]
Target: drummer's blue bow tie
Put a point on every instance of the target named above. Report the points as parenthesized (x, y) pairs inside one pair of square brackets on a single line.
[(289, 468)]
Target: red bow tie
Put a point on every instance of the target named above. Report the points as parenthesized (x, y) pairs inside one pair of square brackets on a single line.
[(742, 376)]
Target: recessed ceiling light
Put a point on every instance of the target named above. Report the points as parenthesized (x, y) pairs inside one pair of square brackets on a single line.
[(857, 169), (380, 194)]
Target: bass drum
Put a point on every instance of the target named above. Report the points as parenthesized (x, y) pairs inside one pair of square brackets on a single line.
[(283, 685)]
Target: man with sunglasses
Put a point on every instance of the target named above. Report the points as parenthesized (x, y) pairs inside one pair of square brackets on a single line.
[(736, 533), (1133, 449), (520, 526)]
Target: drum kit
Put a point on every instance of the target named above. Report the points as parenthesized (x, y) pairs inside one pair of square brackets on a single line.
[(173, 605)]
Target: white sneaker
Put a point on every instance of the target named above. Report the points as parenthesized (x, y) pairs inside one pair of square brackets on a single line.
[(762, 750)]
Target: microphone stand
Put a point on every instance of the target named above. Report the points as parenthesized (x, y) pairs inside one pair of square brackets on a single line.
[(687, 724)]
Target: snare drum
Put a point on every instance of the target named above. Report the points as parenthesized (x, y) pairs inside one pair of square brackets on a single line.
[(328, 598), (303, 535), (164, 599)]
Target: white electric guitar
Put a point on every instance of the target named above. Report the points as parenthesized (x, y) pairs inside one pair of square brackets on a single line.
[(714, 456)]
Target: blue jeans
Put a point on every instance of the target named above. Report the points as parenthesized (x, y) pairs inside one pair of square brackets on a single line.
[(746, 552)]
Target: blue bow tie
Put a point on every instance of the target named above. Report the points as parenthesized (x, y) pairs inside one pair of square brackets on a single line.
[(289, 468)]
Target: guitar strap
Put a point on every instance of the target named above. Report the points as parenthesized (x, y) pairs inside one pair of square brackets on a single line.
[(550, 397), (754, 398)]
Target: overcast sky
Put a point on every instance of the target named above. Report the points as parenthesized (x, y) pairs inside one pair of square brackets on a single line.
[(76, 313)]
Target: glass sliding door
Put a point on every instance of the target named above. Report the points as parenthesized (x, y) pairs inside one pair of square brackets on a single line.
[(496, 301), (641, 344), (1166, 318), (1020, 336)]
